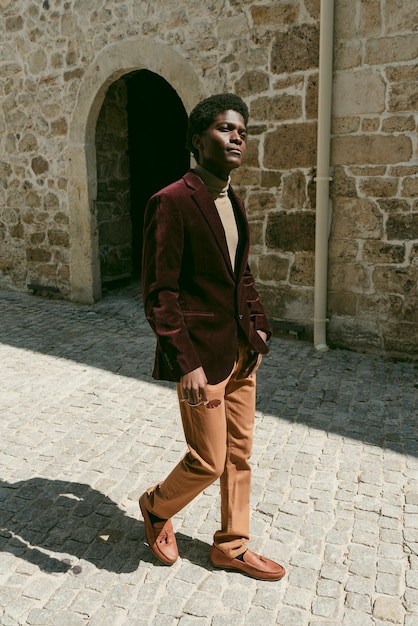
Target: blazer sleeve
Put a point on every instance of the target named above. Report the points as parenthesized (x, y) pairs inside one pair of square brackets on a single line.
[(161, 267)]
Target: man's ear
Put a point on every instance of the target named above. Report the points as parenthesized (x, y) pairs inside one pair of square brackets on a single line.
[(196, 141)]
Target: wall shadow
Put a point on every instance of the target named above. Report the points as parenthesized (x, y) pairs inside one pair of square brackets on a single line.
[(364, 397), (40, 518)]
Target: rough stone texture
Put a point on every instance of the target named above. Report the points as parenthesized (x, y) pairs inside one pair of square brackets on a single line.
[(64, 184), (291, 231), (113, 185)]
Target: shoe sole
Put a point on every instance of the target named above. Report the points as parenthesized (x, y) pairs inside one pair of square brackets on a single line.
[(244, 573)]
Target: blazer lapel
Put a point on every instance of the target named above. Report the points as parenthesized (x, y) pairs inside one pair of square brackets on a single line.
[(205, 203), (243, 234)]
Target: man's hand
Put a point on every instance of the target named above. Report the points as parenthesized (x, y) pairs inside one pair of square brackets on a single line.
[(193, 386), (263, 335)]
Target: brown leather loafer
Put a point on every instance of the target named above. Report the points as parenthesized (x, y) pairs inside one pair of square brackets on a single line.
[(160, 536), (252, 565)]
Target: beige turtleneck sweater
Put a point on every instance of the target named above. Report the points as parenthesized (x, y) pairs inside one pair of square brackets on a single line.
[(219, 190)]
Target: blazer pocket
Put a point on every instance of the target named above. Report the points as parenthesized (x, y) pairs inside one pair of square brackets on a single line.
[(198, 313)]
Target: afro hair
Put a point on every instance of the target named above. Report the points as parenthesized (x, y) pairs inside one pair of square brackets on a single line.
[(206, 112)]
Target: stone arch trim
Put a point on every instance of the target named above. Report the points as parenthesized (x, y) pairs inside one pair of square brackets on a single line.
[(112, 63)]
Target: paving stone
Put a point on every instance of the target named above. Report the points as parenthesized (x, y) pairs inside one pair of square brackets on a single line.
[(85, 430)]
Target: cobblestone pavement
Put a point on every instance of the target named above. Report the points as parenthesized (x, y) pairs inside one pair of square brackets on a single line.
[(84, 430)]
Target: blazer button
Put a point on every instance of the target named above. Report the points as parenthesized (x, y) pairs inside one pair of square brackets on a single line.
[(240, 317)]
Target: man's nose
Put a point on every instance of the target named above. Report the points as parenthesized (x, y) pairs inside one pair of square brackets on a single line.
[(236, 137)]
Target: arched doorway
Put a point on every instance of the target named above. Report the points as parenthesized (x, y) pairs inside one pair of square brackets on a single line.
[(140, 137), (113, 63), (157, 124)]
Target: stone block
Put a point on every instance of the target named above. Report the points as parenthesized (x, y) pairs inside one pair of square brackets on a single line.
[(345, 125), (403, 97), (342, 250), (291, 146), (257, 233), (295, 50), (59, 238), (370, 125), (371, 149), (293, 304), (370, 18), (28, 143), (17, 231), (394, 205), (342, 303), (342, 185), (351, 278), (37, 238), (398, 124), (379, 187), (395, 280), (356, 218), (359, 92), (375, 251), (261, 201), (313, 6), (283, 107), (294, 191), (37, 62), (410, 186), (59, 127), (38, 255), (39, 165), (348, 332), (251, 83), (379, 306), (291, 231), (347, 53), (271, 178), (14, 24), (246, 176), (274, 15), (402, 226), (400, 337), (382, 50), (311, 99), (345, 19), (410, 310), (302, 271), (400, 16), (272, 268), (235, 26), (401, 73), (251, 154), (404, 170)]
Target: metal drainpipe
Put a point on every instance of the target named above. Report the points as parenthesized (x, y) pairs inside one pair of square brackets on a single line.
[(323, 173)]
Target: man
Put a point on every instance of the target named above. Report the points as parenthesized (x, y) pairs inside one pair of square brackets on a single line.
[(211, 329)]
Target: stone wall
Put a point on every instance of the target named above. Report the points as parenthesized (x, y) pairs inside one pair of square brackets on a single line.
[(268, 53), (373, 278), (113, 186)]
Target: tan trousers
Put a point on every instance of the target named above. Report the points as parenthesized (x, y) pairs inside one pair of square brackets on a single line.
[(219, 442)]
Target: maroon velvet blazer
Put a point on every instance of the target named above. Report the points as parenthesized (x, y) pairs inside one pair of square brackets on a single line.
[(194, 301)]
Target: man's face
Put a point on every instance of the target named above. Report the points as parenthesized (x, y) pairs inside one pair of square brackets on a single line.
[(222, 146)]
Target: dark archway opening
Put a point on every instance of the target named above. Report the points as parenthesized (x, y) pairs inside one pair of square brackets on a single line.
[(140, 148), (157, 124)]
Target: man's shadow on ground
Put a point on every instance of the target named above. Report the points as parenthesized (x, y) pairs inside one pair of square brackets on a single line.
[(40, 516)]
